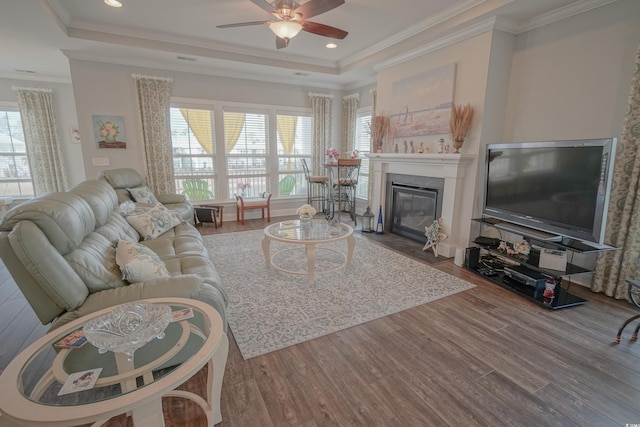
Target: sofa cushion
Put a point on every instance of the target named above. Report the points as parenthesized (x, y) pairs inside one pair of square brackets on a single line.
[(153, 222), (100, 196), (139, 263), (142, 195), (95, 262)]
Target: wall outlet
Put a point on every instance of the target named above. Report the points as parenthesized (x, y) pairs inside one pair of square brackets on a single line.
[(100, 161)]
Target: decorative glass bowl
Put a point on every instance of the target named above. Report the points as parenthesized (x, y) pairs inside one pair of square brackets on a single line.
[(128, 327)]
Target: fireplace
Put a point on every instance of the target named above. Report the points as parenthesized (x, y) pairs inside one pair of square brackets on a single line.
[(414, 203), (443, 178)]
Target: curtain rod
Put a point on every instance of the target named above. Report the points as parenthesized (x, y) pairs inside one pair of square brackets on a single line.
[(320, 95), (144, 76), (32, 89)]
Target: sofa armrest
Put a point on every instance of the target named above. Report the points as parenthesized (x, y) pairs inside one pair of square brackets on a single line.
[(171, 198), (185, 286)]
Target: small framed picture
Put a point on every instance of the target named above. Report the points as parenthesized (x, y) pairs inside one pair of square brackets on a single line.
[(75, 135), (79, 381), (183, 314), (108, 131)]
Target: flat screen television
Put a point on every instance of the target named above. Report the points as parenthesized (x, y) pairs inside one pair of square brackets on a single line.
[(558, 187)]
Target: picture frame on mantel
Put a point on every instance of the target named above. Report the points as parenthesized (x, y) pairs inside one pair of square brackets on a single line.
[(108, 131), (421, 110)]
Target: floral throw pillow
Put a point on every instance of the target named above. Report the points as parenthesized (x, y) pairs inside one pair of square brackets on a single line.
[(139, 263), (142, 195), (153, 222)]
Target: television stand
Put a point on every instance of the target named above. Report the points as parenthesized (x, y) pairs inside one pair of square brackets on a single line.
[(489, 262), (526, 231)]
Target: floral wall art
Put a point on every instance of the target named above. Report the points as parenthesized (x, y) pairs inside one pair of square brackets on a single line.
[(420, 109), (109, 131)]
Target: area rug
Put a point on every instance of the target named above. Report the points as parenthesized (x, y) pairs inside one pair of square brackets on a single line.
[(270, 309)]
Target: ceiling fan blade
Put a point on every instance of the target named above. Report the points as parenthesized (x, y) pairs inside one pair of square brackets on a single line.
[(281, 43), (266, 6), (242, 24), (316, 7), (324, 30)]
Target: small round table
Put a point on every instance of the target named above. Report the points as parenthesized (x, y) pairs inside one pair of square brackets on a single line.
[(31, 382), (310, 234)]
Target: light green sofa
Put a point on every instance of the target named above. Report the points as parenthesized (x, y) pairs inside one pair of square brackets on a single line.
[(60, 249), (123, 178)]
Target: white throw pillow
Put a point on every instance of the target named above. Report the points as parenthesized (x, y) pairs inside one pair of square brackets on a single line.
[(153, 222), (142, 195), (139, 263)]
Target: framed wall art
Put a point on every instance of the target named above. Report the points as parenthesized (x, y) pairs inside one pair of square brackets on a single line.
[(108, 131)]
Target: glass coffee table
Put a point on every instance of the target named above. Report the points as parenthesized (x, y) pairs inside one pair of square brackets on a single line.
[(48, 385), (310, 234)]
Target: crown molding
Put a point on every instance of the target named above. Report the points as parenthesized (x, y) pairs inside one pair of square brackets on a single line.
[(562, 13), (36, 78), (204, 70), (448, 40), (413, 30)]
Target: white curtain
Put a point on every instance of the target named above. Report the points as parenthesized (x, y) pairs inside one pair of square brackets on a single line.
[(349, 117), (48, 172), (154, 101), (374, 94), (321, 105)]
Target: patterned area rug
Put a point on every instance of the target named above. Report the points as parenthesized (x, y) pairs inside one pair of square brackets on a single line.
[(270, 309)]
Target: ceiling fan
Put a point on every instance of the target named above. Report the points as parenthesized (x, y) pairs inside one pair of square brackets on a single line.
[(292, 18)]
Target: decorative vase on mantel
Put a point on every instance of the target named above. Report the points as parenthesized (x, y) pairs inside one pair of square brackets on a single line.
[(457, 144)]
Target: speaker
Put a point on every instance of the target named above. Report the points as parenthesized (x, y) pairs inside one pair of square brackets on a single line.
[(472, 258)]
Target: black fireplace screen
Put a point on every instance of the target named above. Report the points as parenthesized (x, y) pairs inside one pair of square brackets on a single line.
[(412, 209)]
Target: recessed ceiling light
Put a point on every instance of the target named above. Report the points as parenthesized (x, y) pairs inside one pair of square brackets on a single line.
[(114, 3), (331, 45)]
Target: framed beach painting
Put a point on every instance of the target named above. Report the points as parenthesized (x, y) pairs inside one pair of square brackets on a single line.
[(108, 131), (421, 108)]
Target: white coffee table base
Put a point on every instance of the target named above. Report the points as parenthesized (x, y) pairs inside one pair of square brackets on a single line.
[(310, 250)]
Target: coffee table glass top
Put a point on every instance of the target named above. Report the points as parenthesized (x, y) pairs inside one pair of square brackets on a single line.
[(50, 369), (317, 230)]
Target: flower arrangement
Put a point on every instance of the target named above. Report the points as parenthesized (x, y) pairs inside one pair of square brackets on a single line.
[(243, 186), (377, 129), (306, 211), (354, 154), (332, 152), (108, 130)]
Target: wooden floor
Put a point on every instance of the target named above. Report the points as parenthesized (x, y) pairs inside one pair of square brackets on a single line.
[(484, 357)]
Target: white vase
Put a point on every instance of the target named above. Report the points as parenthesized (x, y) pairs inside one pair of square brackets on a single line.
[(333, 160)]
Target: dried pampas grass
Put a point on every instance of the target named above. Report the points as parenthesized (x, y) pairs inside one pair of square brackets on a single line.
[(378, 127), (461, 118)]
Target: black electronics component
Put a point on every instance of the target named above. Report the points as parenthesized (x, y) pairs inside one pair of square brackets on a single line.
[(491, 242), (472, 258), (526, 276)]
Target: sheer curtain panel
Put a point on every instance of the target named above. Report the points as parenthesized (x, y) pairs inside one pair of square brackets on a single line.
[(48, 172)]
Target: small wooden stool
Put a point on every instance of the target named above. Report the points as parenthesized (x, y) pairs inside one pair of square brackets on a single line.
[(208, 213)]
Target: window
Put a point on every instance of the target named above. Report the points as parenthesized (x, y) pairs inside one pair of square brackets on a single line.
[(193, 143), (229, 149), (247, 150), (294, 141), (15, 175), (363, 144)]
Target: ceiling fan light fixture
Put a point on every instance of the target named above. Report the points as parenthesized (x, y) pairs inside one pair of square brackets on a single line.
[(285, 29), (331, 45), (114, 3)]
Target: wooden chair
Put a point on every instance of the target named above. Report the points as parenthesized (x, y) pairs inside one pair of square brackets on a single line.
[(244, 204), (320, 184)]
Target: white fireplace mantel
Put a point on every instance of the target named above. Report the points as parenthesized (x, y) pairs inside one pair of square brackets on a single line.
[(451, 167)]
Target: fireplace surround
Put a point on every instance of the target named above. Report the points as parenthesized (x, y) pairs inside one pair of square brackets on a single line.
[(444, 172)]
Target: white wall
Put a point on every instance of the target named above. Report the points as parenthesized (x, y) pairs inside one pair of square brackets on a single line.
[(571, 79), (472, 64), (65, 113), (109, 89)]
